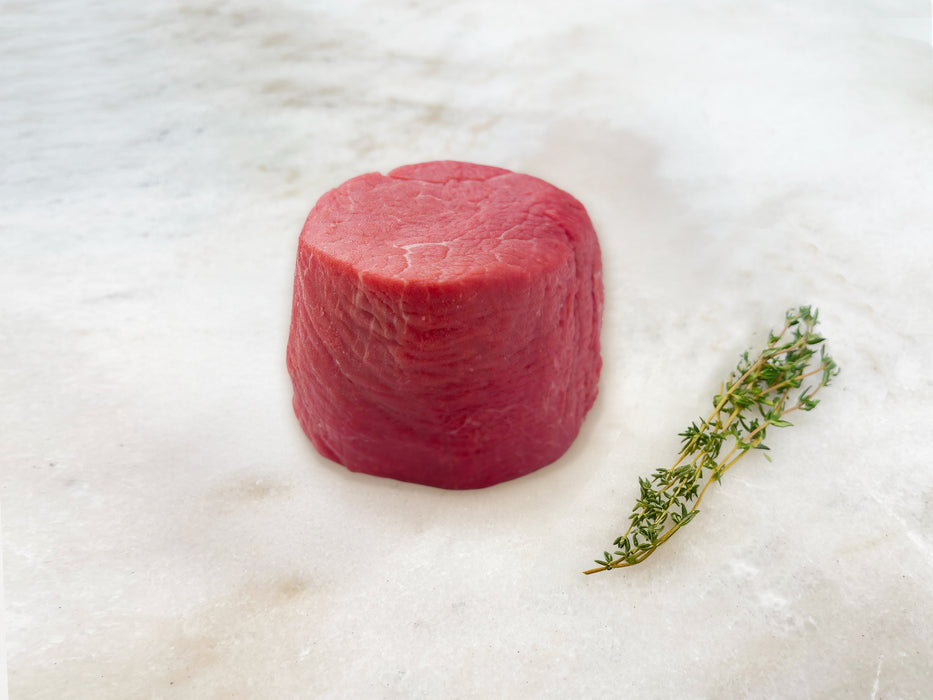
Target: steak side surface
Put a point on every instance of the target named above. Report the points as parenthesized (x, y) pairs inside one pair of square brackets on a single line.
[(445, 324)]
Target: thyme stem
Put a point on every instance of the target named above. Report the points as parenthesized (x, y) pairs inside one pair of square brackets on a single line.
[(670, 498)]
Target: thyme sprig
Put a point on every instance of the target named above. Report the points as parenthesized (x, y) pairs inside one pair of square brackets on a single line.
[(758, 395)]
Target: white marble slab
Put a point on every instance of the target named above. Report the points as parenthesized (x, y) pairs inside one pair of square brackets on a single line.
[(169, 532)]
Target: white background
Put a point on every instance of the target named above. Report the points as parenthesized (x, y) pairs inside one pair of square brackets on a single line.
[(168, 531)]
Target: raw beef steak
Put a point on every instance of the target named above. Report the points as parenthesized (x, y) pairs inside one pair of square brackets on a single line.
[(445, 326)]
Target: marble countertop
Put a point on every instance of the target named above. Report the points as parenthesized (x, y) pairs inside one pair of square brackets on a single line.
[(167, 529)]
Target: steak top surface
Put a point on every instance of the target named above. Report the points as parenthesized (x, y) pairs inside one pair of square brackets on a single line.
[(445, 222)]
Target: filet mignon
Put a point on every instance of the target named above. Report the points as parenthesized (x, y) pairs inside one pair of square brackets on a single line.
[(445, 324)]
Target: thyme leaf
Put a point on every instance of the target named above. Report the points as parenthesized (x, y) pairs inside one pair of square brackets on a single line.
[(758, 395)]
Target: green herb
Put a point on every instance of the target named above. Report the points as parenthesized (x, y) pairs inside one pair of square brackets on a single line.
[(758, 395)]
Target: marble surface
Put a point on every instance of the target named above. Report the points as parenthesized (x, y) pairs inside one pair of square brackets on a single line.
[(168, 531)]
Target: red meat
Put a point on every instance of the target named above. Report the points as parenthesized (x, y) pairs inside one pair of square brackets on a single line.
[(445, 326)]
